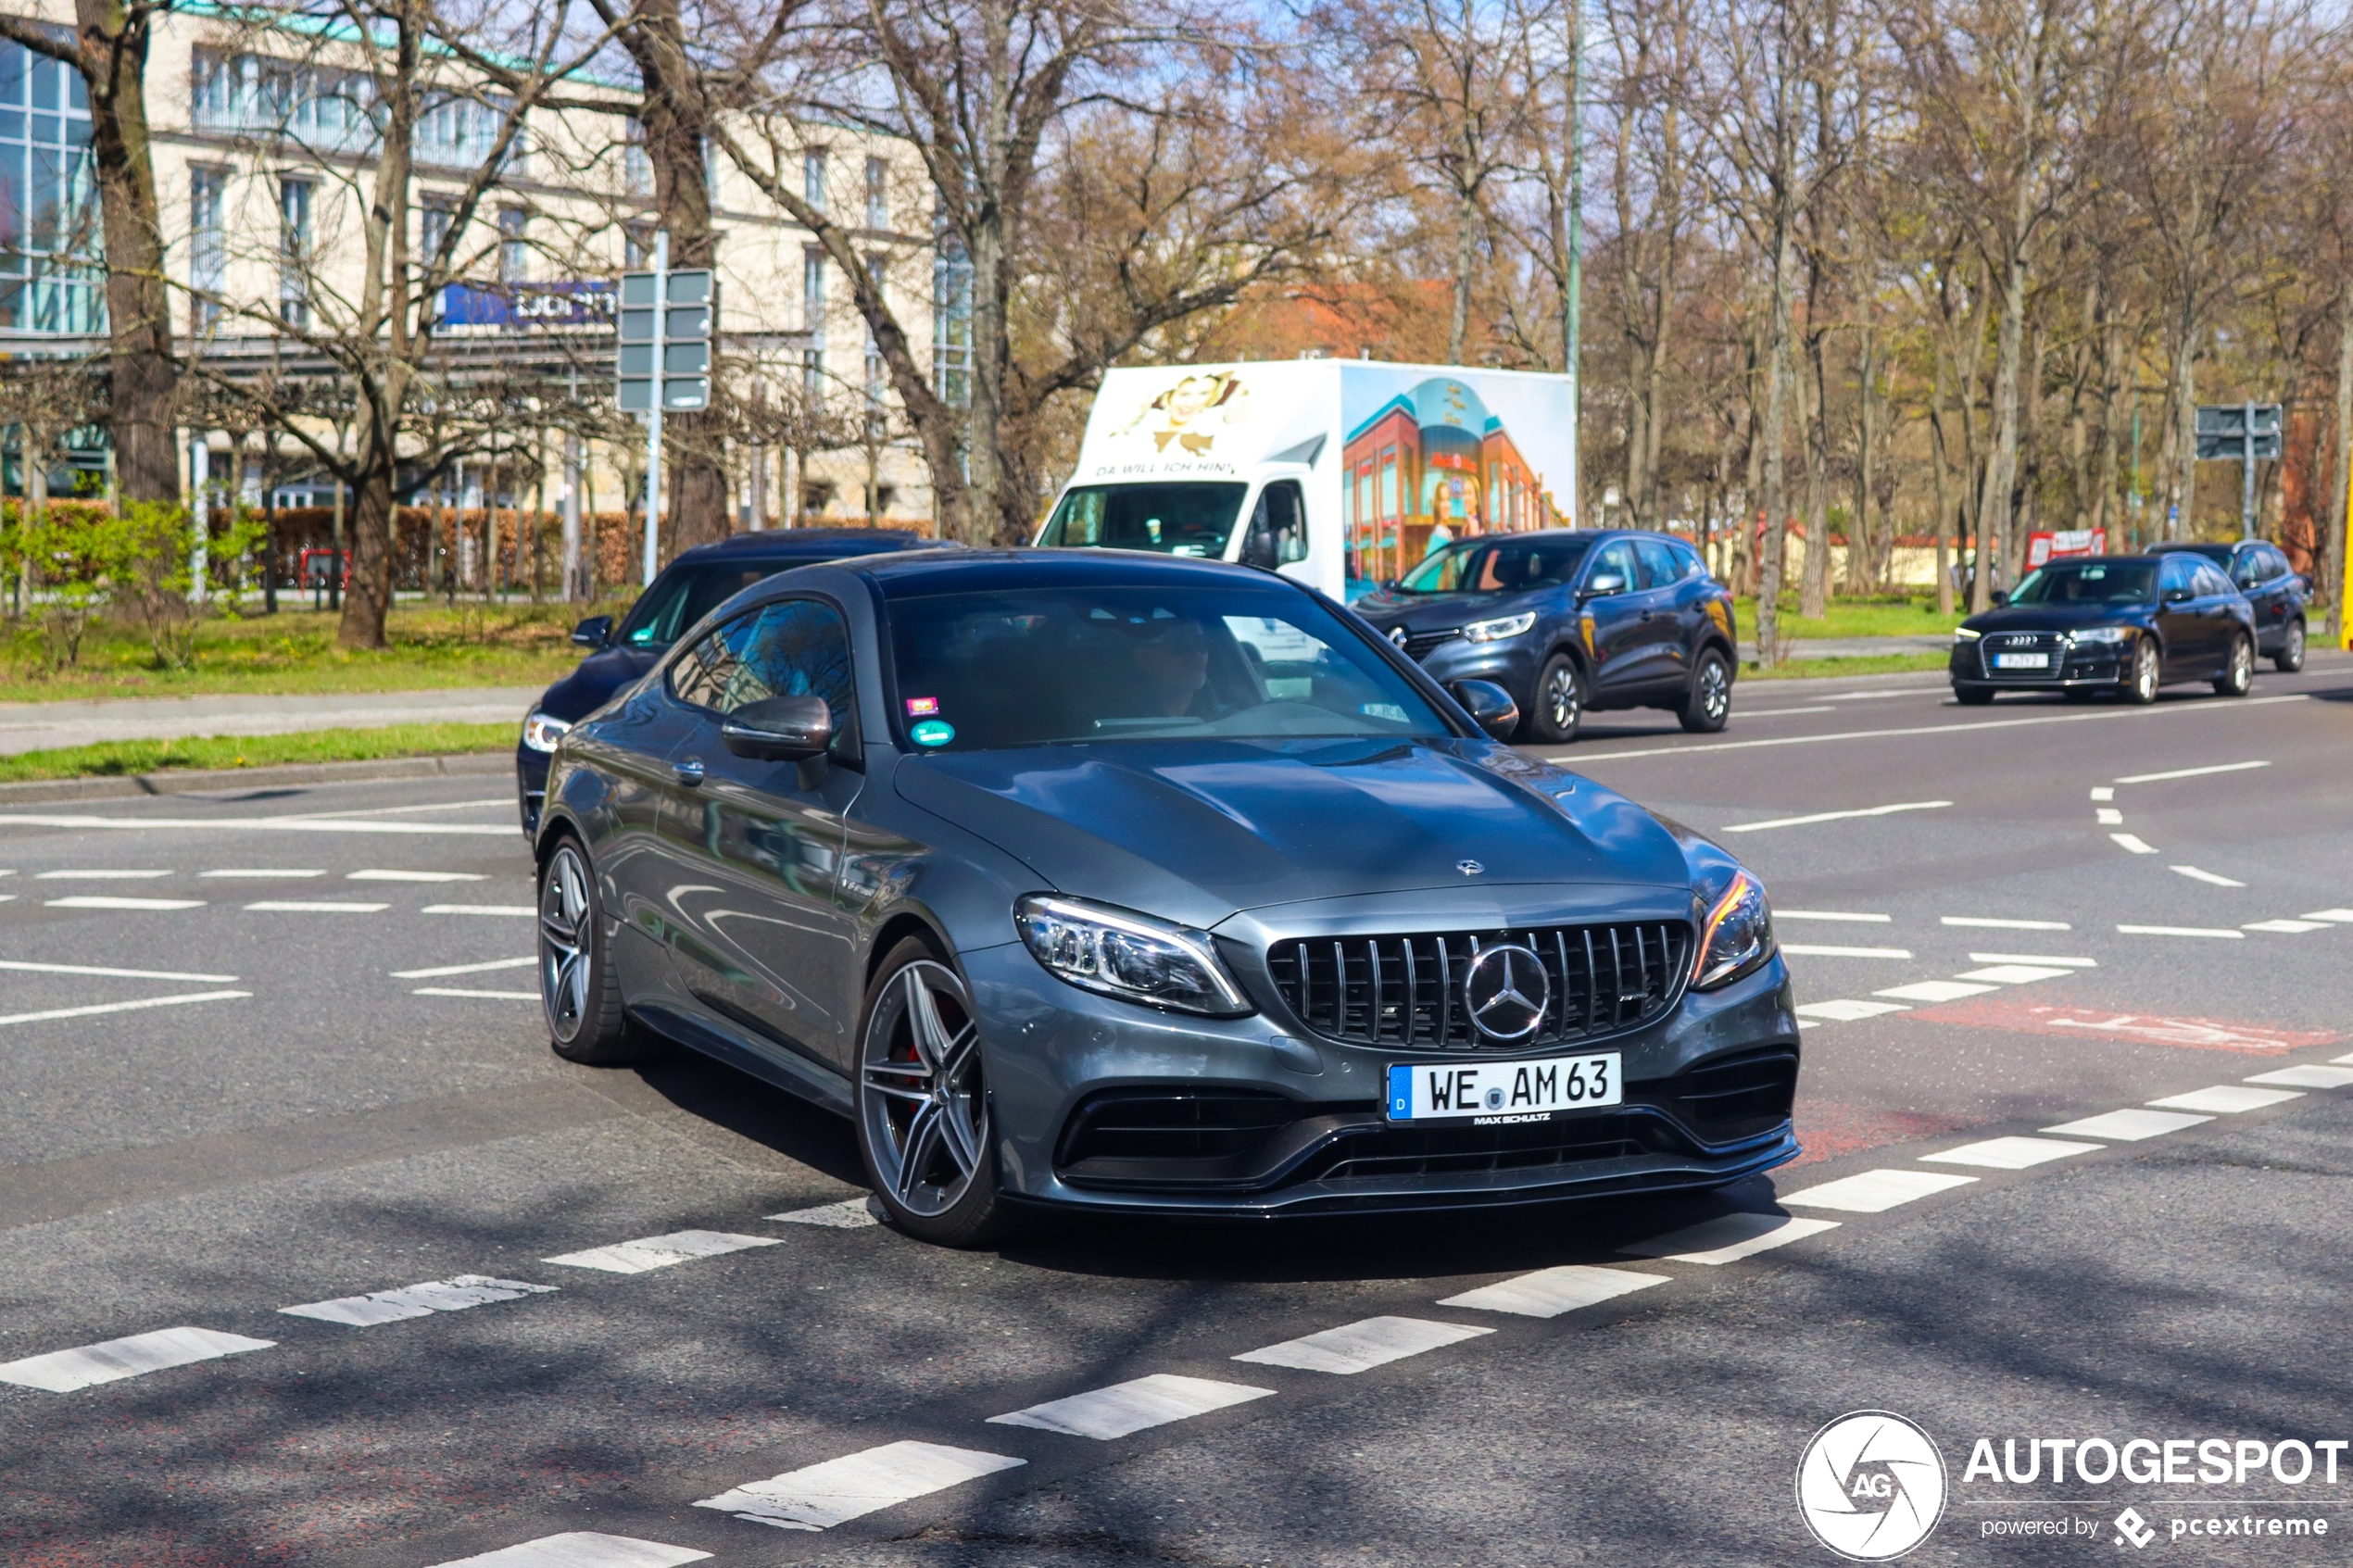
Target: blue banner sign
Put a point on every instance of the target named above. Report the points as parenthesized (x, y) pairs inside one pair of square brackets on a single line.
[(524, 307)]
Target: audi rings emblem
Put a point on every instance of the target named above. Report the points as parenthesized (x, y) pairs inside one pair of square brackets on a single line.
[(1508, 991)]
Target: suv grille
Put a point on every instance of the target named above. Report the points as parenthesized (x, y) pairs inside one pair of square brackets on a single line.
[(1408, 990), (1419, 642)]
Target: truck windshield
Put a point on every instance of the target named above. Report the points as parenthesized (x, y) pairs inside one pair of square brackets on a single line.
[(1170, 519), (1492, 566)]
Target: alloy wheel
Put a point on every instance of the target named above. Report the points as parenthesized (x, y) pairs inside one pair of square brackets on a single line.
[(925, 1104), (2242, 671), (1562, 699), (2291, 655), (564, 943), (1714, 690), (2144, 671)]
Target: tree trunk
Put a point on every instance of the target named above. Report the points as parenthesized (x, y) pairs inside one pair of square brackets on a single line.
[(1777, 378), (141, 373), (1466, 239), (1862, 550), (2182, 487), (372, 542), (1994, 502), (1813, 594)]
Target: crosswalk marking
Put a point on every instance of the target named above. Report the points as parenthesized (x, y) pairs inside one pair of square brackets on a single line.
[(1933, 991), (1875, 1192), (2306, 1077), (314, 907), (1360, 1347), (2012, 1153), (2342, 917), (2225, 1100), (2013, 973), (1843, 1010), (1729, 1237), (653, 1252), (453, 1295), (2129, 1126), (1550, 1292), (1126, 1408), (583, 1548), (841, 1489), (94, 1009), (62, 1371), (849, 1215)]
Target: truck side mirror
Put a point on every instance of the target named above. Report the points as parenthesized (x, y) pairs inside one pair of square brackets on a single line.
[(1262, 547)]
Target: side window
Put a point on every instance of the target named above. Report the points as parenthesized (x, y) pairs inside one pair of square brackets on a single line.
[(2174, 572), (2275, 564), (1283, 512), (1660, 568), (2210, 583), (1687, 560), (2252, 567), (794, 647), (1617, 558)]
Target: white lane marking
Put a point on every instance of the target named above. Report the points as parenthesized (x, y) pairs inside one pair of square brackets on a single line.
[(526, 911), (2225, 1100), (2035, 959), (1729, 1237), (2287, 927), (314, 907), (2168, 711), (1810, 950), (1832, 914), (2340, 916), (462, 969), (581, 1549), (854, 1485), (1778, 712), (2207, 877), (1989, 921), (2129, 1126), (652, 1252), (2103, 791), (62, 1371), (508, 801), (2108, 817), (415, 876), (849, 1215), (282, 824), (1360, 1347), (92, 1010), (2183, 931), (489, 996), (2012, 1153), (98, 901), (1933, 991), (2306, 1077), (2190, 772), (260, 874), (2132, 843), (1550, 1292), (1875, 1192), (2012, 973), (110, 973), (1838, 816), (1842, 1009), (1126, 1408), (453, 1295), (96, 876)]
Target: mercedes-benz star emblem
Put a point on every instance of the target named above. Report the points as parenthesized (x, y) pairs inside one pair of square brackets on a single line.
[(1397, 636), (1506, 990), (1469, 868)]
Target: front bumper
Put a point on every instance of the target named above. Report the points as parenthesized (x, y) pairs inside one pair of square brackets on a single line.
[(1055, 1054), (1511, 664), (2090, 665), (531, 787)]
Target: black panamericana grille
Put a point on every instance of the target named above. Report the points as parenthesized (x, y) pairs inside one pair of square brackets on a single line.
[(1408, 990)]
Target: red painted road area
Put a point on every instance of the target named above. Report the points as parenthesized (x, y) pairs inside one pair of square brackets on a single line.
[(2016, 1013)]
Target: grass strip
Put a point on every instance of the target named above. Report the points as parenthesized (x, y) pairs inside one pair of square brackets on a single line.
[(1863, 664), (119, 757)]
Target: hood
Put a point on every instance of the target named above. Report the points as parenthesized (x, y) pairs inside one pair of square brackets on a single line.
[(599, 675), (1195, 831), (1432, 612), (2056, 618)]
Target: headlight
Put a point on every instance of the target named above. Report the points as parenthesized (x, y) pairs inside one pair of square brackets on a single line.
[(1130, 956), (1497, 631), (1963, 634), (2103, 634), (541, 733), (1736, 936)]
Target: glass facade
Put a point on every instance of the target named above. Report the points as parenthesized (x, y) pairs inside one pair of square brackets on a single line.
[(951, 321), (207, 240), (51, 280)]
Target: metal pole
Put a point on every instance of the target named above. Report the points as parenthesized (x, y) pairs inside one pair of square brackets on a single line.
[(653, 419), (200, 480), (2246, 474), (1572, 334)]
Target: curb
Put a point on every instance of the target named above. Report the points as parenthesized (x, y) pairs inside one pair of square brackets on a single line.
[(190, 781)]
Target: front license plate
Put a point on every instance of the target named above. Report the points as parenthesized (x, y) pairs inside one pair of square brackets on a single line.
[(2021, 661), (1502, 1091)]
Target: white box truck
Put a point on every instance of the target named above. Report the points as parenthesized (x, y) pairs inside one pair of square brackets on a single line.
[(1336, 471)]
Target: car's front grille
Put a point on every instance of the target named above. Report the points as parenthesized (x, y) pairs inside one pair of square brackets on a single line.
[(1419, 643), (2050, 643), (1408, 991), (1456, 1149)]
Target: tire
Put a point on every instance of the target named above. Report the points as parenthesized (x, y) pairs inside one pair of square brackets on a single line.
[(2142, 677), (1709, 704), (925, 1125), (2238, 674), (2290, 658), (578, 992), (1973, 697), (1559, 705)]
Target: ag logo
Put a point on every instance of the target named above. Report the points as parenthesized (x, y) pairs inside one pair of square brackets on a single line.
[(1871, 1486)]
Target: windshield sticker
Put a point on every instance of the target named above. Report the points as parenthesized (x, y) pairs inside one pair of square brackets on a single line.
[(933, 731), (917, 707)]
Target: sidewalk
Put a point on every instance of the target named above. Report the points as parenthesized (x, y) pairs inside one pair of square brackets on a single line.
[(43, 726)]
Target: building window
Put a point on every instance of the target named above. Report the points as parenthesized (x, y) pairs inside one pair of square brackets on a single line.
[(951, 321), (208, 241), (50, 243), (459, 132), (877, 375), (637, 165), (812, 377), (252, 94), (514, 249), (813, 178), (877, 194), (637, 247), (294, 251), (434, 216), (813, 291)]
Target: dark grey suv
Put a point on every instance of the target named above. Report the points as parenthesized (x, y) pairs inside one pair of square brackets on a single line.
[(1113, 882), (2274, 590)]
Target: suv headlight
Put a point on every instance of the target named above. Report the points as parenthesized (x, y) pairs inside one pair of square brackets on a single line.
[(1963, 635), (1130, 956), (1735, 937), (1500, 629), (541, 733), (2103, 634)]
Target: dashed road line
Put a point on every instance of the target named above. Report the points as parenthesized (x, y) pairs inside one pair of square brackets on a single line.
[(525, 911), (2210, 931), (1837, 816), (2341, 917), (2314, 1077), (2035, 959), (94, 1009), (440, 971), (63, 1372), (2132, 843), (1832, 915), (1993, 922), (653, 1252), (821, 1496), (1136, 1406), (1934, 991), (2103, 791), (1842, 1009), (2013, 973), (2210, 878), (2108, 817), (99, 875), (1360, 1347), (1550, 1292), (479, 996), (1729, 1237), (102, 902), (849, 1215), (313, 906), (2191, 773), (260, 874), (2129, 1125), (2225, 1100), (2285, 927), (2010, 1153), (583, 1548), (105, 972), (378, 874), (1875, 1192), (453, 1295), (1816, 950)]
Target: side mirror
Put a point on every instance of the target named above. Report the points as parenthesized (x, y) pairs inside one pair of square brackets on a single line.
[(2178, 596), (1489, 706), (780, 729), (1263, 549), (2000, 596), (594, 633), (1603, 584)]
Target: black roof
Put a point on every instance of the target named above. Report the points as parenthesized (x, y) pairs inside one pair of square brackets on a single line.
[(978, 572), (2196, 547), (788, 544)]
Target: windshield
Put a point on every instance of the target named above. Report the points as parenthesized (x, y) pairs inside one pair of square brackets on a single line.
[(1065, 665), (1496, 566), (681, 597), (2107, 583), (1172, 519)]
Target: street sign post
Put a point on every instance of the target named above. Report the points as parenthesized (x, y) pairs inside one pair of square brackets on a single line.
[(2244, 431), (662, 360)]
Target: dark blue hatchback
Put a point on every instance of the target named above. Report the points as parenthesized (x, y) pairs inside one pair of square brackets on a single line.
[(690, 587)]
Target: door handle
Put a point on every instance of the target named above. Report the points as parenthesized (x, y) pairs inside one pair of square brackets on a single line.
[(689, 772), (1647, 615)]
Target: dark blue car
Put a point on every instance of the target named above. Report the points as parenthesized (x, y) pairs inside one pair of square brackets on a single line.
[(2275, 591), (690, 587)]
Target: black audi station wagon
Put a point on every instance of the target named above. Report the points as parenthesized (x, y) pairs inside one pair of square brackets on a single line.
[(1113, 881), (2109, 624)]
